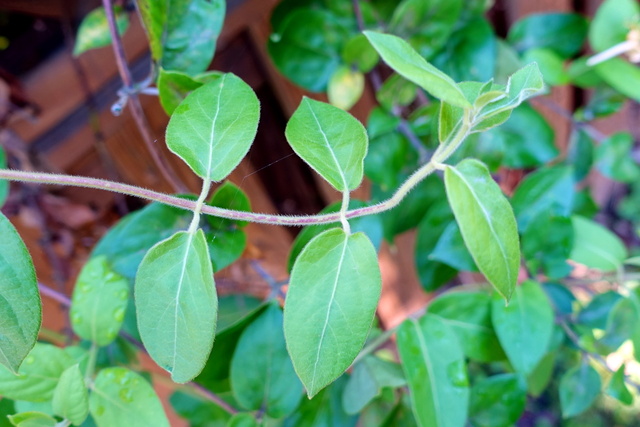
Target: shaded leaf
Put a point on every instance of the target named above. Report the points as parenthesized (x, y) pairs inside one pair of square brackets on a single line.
[(174, 86), (614, 158), (198, 411), (340, 273), (595, 246), (497, 401), (324, 410), (563, 33), (368, 379), (579, 388)]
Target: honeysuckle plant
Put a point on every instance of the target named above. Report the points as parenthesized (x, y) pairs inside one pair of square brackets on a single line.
[(453, 114)]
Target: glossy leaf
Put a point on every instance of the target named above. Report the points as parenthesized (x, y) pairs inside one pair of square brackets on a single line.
[(564, 33), (468, 314), (595, 246), (368, 379), (99, 302), (434, 365), (4, 185), (70, 398), (183, 33), (94, 29), (497, 401), (213, 128), (174, 86), (177, 304), (524, 327), (329, 140), (547, 191), (400, 56), (579, 388), (614, 158), (486, 222), (618, 389), (324, 410), (20, 305), (121, 397), (38, 375), (306, 47), (32, 419), (269, 382), (340, 273), (345, 87)]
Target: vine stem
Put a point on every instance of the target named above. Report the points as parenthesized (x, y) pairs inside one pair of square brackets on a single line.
[(134, 101), (206, 186)]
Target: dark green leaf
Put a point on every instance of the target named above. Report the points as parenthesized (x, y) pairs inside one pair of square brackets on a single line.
[(38, 375), (199, 412), (468, 314), (602, 103), (340, 273), (524, 327), (359, 52), (547, 191), (177, 304), (324, 410), (70, 398), (539, 378), (4, 185), (396, 91), (580, 154), (613, 158), (595, 246), (368, 379), (385, 160), (183, 33), (242, 420), (266, 383), (174, 86), (434, 365), (213, 128), (329, 140), (427, 25), (400, 56), (451, 250), (121, 397), (99, 302), (94, 29), (306, 47), (547, 243), (564, 33), (618, 389), (229, 196), (595, 314), (579, 387), (497, 401), (20, 305), (486, 222)]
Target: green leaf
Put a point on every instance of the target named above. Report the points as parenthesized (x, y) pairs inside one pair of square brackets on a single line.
[(340, 274), (358, 52), (267, 383), (371, 225), (228, 196), (213, 128), (527, 138), (329, 140), (396, 91), (595, 246), (468, 314), (497, 401), (596, 313), (470, 52), (434, 365), (551, 65), (539, 378), (38, 375), (70, 398), (198, 411), (621, 75), (368, 379), (20, 305), (451, 250), (579, 388), (524, 327), (618, 389), (563, 33), (94, 29), (580, 154), (426, 25), (99, 302), (242, 420), (324, 410), (622, 324), (183, 33), (547, 243), (345, 87), (547, 191), (486, 222), (121, 397), (522, 85), (611, 23), (4, 185), (306, 47), (400, 56), (614, 158), (32, 419), (177, 304), (174, 86)]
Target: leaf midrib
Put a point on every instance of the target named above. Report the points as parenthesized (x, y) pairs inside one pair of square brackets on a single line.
[(178, 291), (429, 366)]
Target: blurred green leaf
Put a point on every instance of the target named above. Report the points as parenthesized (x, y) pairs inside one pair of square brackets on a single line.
[(367, 380), (595, 246), (547, 243), (618, 389), (579, 388), (613, 158), (564, 33), (94, 29), (359, 52), (610, 24), (551, 65), (174, 86), (497, 401), (70, 398), (595, 313), (451, 250), (345, 87)]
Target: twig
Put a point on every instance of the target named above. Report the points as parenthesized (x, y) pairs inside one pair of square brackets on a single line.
[(134, 102), (66, 301)]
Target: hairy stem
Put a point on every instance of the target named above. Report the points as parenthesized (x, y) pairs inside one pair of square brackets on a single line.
[(206, 186)]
